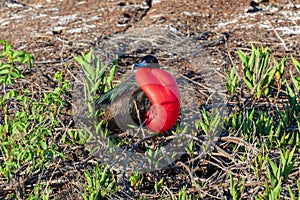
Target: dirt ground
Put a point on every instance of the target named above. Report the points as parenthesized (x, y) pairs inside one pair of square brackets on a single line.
[(55, 31), (202, 33)]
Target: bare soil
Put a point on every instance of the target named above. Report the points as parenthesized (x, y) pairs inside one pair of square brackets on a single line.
[(55, 31)]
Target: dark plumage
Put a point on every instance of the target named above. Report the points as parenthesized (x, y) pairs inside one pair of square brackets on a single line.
[(150, 98), (126, 104)]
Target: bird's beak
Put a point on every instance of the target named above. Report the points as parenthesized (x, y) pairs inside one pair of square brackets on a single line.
[(137, 65), (144, 64)]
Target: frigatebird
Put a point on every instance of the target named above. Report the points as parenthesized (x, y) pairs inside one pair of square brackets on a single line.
[(150, 98)]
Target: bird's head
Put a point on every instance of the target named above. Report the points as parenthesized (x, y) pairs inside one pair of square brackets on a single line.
[(148, 61)]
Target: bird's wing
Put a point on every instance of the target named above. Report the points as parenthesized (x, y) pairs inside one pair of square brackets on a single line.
[(117, 91)]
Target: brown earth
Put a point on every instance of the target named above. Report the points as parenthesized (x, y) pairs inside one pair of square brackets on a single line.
[(55, 31)]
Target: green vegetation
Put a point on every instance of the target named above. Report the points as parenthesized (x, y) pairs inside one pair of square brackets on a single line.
[(99, 183), (95, 76), (9, 61), (42, 155)]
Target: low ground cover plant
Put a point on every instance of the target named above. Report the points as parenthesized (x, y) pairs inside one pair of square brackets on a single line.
[(43, 156)]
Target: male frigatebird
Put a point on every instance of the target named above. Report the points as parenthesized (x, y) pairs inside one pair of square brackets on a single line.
[(150, 98)]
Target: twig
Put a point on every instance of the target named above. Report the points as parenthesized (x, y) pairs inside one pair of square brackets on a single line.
[(278, 36), (179, 163)]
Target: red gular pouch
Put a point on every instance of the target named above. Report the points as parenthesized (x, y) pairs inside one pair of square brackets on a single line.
[(163, 92)]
